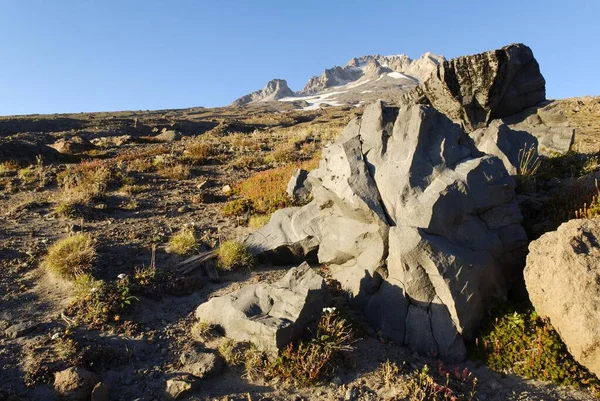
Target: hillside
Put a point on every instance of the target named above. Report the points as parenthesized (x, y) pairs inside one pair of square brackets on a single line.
[(143, 191)]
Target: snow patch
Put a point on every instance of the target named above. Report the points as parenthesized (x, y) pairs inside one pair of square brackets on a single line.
[(398, 75)]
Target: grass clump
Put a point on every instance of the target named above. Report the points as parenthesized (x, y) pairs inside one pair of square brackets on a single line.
[(517, 340), (175, 171), (199, 152), (183, 243), (71, 256), (86, 181), (234, 255), (258, 220)]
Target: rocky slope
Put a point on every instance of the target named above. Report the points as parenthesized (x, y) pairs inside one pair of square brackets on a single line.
[(361, 80)]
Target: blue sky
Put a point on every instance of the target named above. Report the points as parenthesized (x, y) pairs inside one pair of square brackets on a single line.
[(101, 55)]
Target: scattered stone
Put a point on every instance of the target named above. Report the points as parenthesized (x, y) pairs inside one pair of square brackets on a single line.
[(563, 280), (201, 364), (269, 315), (72, 145), (75, 384), (168, 136), (181, 384), (20, 329), (111, 141), (227, 190)]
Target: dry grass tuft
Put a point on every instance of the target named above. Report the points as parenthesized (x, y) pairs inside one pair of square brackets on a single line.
[(183, 243), (71, 257), (234, 255)]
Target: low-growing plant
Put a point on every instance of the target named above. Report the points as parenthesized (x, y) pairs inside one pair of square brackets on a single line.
[(420, 385), (247, 162), (307, 362), (236, 207), (85, 181), (99, 303), (258, 220), (183, 243), (234, 255), (198, 152), (283, 153), (67, 208), (132, 189), (232, 352), (202, 330), (9, 167), (34, 174), (517, 340), (71, 256), (175, 171)]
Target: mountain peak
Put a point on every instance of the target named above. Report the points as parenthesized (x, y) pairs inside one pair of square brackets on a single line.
[(274, 90)]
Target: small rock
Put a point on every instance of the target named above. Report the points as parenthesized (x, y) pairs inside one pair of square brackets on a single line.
[(168, 136), (20, 329), (183, 209), (180, 385), (227, 189), (201, 364), (75, 384)]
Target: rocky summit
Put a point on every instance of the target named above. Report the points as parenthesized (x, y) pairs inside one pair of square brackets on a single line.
[(361, 81), (420, 226)]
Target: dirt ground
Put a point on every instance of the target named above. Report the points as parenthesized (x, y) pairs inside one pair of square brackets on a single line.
[(135, 363)]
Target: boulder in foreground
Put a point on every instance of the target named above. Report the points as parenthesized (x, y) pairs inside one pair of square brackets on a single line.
[(269, 315), (563, 281)]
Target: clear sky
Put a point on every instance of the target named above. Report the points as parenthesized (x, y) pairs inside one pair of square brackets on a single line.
[(102, 55)]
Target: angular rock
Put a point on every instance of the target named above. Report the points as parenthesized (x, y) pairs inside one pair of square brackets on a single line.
[(536, 130), (168, 136), (473, 90), (420, 227), (291, 236), (201, 364), (20, 329), (180, 384), (72, 145), (75, 384), (563, 280), (269, 315), (298, 189)]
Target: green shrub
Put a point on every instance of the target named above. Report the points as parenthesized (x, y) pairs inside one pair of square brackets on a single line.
[(71, 256), (233, 255), (519, 341), (307, 362), (183, 243)]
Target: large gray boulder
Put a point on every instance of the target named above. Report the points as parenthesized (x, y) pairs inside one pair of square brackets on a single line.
[(563, 281), (269, 315), (538, 130), (419, 226), (473, 90)]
